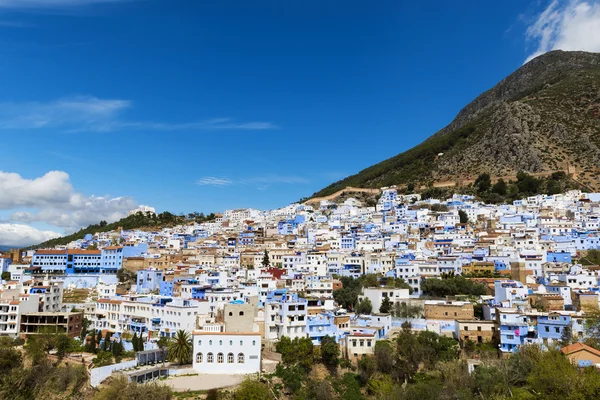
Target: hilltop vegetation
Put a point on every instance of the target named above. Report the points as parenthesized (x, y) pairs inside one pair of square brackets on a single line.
[(135, 221), (541, 119), (421, 366)]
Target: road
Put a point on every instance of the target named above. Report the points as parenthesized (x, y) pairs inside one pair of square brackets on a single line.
[(202, 381)]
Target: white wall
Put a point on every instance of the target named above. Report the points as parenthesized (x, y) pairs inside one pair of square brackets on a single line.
[(247, 344)]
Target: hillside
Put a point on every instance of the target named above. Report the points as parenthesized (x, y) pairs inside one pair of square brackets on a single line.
[(135, 221), (543, 118)]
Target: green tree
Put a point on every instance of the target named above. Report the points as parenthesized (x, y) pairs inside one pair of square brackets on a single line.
[(367, 367), (369, 280), (347, 296), (403, 310), (180, 348), (140, 341), (85, 326), (527, 184), (400, 283), (554, 377), (451, 286), (163, 342), (566, 337), (384, 356), (252, 390), (106, 343), (463, 217), (386, 306), (364, 306), (330, 351), (98, 337), (135, 342), (266, 261), (103, 358), (63, 345), (212, 394), (117, 350), (10, 358), (500, 187), (483, 183), (90, 346), (120, 389), (6, 276), (299, 351)]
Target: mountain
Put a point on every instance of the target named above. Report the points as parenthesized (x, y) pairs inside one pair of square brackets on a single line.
[(139, 220), (543, 118)]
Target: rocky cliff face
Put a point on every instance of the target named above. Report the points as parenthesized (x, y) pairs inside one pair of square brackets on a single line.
[(544, 117)]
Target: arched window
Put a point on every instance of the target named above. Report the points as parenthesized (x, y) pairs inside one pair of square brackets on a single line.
[(220, 343), (231, 342), (230, 358), (209, 358), (241, 342), (254, 343), (210, 342), (199, 357), (220, 358), (199, 342), (230, 314), (241, 358), (241, 313)]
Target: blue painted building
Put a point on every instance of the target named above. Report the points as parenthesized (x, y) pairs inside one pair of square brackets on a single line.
[(558, 256), (319, 326), (149, 280), (550, 327)]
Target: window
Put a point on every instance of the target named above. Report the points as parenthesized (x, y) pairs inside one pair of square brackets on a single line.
[(199, 342), (241, 313), (199, 357), (220, 343), (230, 358), (231, 342), (241, 358), (547, 329), (209, 358), (230, 314), (220, 358), (241, 342), (557, 330), (254, 343), (210, 342)]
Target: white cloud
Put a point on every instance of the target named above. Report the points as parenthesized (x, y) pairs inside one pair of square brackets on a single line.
[(52, 199), (52, 188), (213, 181), (91, 114), (85, 113), (570, 25), (23, 235), (261, 182)]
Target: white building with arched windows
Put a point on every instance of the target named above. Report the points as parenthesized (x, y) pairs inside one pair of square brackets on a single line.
[(226, 352)]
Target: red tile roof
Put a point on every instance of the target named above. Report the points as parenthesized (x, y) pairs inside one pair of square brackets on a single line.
[(575, 347)]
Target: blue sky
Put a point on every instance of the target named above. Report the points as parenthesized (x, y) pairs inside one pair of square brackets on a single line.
[(205, 105)]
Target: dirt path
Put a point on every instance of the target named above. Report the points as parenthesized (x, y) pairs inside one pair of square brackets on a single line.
[(202, 382)]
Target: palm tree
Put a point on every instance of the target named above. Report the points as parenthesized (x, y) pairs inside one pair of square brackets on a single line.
[(180, 348)]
